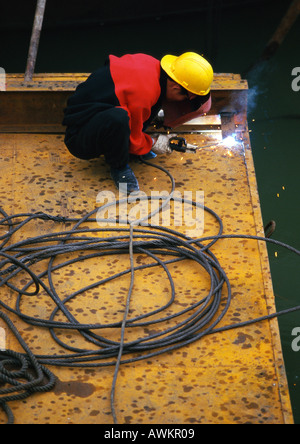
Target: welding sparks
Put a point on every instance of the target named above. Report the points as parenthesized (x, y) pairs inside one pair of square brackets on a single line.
[(229, 142)]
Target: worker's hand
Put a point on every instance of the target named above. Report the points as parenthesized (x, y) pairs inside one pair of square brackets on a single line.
[(162, 145)]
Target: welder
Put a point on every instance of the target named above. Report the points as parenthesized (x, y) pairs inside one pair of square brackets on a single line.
[(110, 112)]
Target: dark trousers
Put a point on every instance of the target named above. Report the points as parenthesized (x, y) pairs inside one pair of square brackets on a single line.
[(106, 133)]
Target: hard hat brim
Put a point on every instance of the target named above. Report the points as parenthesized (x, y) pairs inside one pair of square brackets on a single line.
[(167, 63)]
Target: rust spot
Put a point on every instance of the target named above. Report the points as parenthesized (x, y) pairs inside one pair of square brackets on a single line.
[(242, 338), (80, 389), (95, 413), (187, 389)]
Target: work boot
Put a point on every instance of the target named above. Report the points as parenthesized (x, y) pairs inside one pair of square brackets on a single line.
[(125, 179)]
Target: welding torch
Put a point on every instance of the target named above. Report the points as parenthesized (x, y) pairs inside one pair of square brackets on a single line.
[(180, 144)]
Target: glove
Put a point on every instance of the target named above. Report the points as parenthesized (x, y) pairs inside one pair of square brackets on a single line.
[(162, 145)]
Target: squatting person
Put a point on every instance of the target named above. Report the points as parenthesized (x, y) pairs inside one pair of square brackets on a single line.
[(109, 113)]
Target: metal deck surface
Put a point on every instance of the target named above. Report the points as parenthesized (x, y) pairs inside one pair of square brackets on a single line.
[(237, 376)]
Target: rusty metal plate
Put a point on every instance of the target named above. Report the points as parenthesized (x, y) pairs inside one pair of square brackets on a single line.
[(232, 377)]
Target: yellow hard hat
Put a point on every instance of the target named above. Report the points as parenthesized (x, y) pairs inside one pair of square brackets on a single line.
[(191, 71)]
